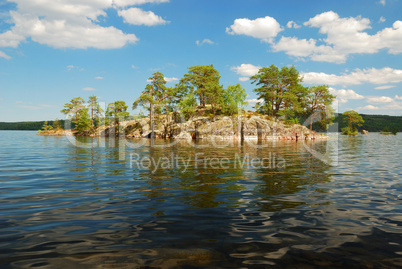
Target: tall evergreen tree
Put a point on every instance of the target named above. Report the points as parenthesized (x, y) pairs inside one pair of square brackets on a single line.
[(280, 89), (74, 108), (318, 103), (94, 107), (117, 111), (83, 124), (353, 119), (203, 80)]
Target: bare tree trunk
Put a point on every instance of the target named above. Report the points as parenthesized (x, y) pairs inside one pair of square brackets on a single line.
[(152, 109)]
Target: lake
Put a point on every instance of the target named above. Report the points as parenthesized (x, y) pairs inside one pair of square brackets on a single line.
[(111, 203)]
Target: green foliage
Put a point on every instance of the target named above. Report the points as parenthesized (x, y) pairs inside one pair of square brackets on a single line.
[(395, 131), (74, 108), (95, 109), (56, 124), (117, 111), (292, 121), (349, 131), (155, 94), (317, 104), (280, 90), (386, 129), (234, 99), (373, 123), (84, 122), (203, 80), (188, 106), (46, 127), (353, 118)]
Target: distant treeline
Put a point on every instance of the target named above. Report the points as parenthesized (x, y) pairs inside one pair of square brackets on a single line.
[(26, 125), (373, 123)]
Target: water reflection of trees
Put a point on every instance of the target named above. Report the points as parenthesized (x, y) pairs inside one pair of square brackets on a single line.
[(279, 188), (200, 186), (203, 187)]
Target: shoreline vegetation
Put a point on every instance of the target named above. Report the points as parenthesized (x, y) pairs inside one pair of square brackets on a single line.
[(183, 111), (198, 106)]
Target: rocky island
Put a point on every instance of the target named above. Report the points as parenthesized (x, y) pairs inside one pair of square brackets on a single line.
[(199, 107)]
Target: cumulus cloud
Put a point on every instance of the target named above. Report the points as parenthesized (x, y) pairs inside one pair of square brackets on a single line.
[(98, 77), (246, 69), (262, 28), (397, 97), (74, 24), (379, 99), (344, 36), (205, 41), (89, 89), (137, 16), (358, 76), (344, 95), (368, 107), (382, 19), (382, 2)]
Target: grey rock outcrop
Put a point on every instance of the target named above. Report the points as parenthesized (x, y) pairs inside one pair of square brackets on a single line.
[(222, 127)]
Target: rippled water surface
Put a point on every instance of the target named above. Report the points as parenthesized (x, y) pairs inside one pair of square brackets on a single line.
[(268, 205)]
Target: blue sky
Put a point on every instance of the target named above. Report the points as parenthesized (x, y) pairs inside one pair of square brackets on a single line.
[(52, 51)]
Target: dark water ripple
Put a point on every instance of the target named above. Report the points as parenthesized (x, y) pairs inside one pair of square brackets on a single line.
[(63, 206)]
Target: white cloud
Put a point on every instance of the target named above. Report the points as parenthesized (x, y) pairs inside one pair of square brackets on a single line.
[(243, 79), (292, 24), (171, 79), (263, 28), (393, 106), (137, 16), (253, 101), (343, 95), (379, 99), (134, 67), (382, 2), (205, 41), (385, 87), (89, 89), (382, 19), (99, 78), (125, 3), (71, 23), (344, 36), (368, 107), (397, 97), (5, 56), (246, 69), (358, 76)]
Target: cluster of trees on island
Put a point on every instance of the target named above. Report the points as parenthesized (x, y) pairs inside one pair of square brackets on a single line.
[(279, 91)]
